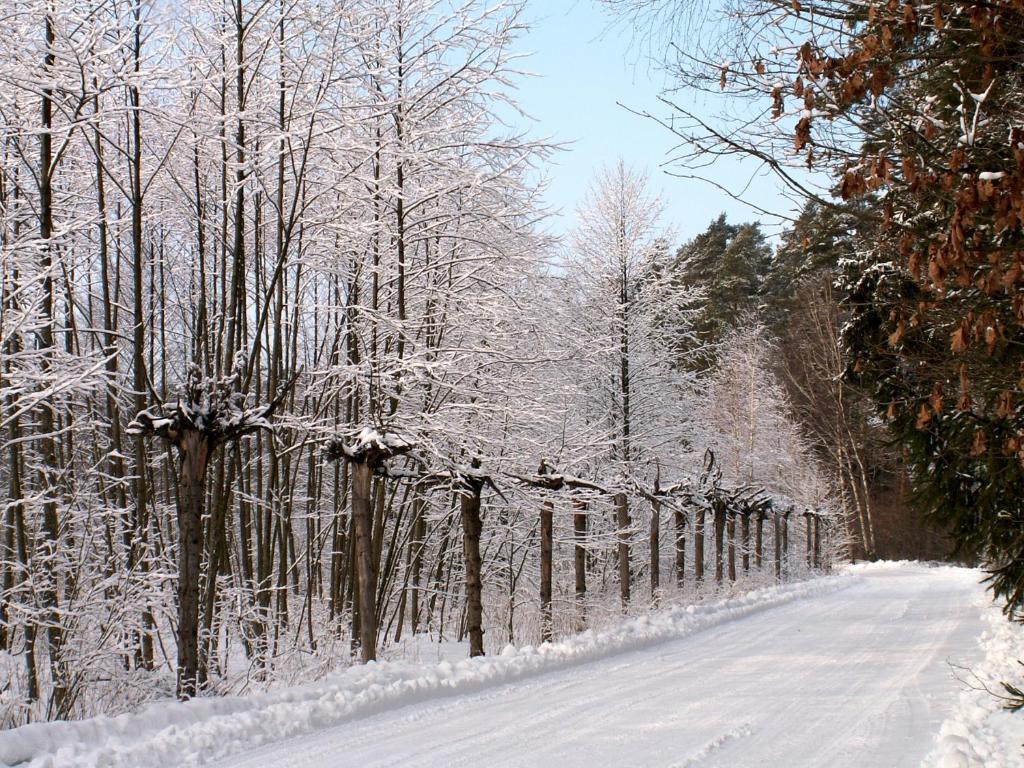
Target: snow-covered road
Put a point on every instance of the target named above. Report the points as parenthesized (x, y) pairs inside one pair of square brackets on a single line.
[(856, 677)]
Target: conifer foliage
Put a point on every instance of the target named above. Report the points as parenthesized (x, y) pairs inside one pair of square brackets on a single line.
[(912, 110), (730, 263), (938, 305)]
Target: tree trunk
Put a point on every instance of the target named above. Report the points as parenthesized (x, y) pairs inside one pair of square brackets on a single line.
[(655, 548), (759, 540), (50, 528), (622, 521), (777, 530), (817, 540), (745, 534), (546, 551), (144, 653), (353, 587), (680, 519), (785, 543), (719, 511), (471, 529), (579, 527), (362, 482), (216, 545), (698, 545), (809, 540), (416, 544), (16, 520), (731, 533), (194, 455)]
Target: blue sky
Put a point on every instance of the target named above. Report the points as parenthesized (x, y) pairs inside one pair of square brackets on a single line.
[(584, 67)]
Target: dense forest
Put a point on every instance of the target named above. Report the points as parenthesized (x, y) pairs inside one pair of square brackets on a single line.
[(292, 372)]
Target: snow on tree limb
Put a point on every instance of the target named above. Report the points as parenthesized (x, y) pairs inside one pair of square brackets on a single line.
[(213, 407)]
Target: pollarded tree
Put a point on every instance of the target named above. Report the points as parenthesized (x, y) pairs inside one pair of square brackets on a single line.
[(209, 415), (747, 421), (635, 322), (440, 255), (757, 445)]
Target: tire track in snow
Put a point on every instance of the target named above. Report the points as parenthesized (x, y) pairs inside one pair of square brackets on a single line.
[(715, 745)]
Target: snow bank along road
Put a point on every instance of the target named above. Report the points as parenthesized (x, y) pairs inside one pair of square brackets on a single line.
[(851, 670), (859, 677)]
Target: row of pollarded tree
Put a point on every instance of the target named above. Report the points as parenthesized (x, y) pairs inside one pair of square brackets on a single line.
[(368, 455), (212, 414)]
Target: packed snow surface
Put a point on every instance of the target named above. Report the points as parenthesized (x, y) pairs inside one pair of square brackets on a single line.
[(861, 669), (981, 731)]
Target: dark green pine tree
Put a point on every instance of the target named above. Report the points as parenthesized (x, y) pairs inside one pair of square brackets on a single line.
[(729, 263), (819, 241)]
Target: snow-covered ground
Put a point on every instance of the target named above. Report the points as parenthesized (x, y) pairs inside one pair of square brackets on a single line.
[(981, 731), (860, 669)]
